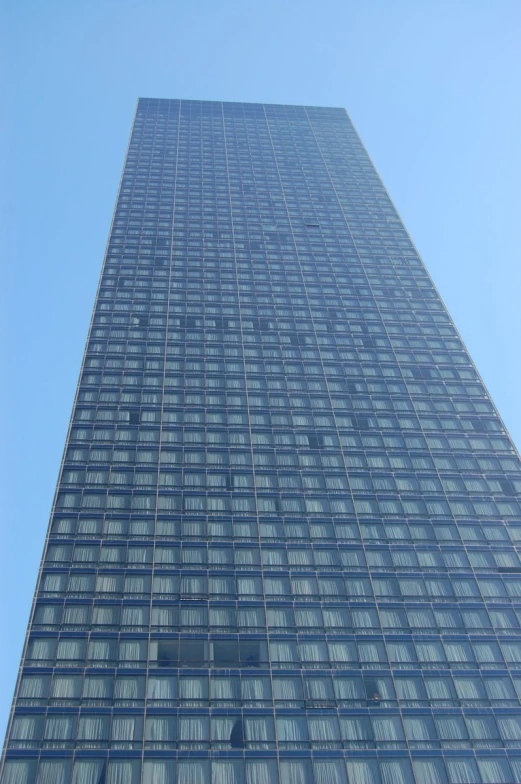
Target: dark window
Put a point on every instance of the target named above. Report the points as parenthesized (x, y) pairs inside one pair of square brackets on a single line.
[(315, 441), (192, 653), (237, 740), (167, 654), (506, 486)]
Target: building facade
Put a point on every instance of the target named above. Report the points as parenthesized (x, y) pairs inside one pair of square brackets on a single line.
[(284, 543)]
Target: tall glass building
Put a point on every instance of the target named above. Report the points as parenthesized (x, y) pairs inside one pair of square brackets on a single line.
[(284, 547)]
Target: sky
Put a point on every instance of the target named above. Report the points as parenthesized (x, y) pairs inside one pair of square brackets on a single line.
[(431, 86)]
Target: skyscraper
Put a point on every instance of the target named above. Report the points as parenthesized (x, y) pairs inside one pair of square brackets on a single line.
[(284, 543)]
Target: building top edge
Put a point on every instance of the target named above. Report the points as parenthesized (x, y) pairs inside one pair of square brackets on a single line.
[(184, 101)]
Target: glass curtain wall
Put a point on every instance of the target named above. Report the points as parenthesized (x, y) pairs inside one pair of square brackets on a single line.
[(285, 541)]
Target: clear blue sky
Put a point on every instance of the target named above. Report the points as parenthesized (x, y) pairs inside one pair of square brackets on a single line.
[(431, 85)]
